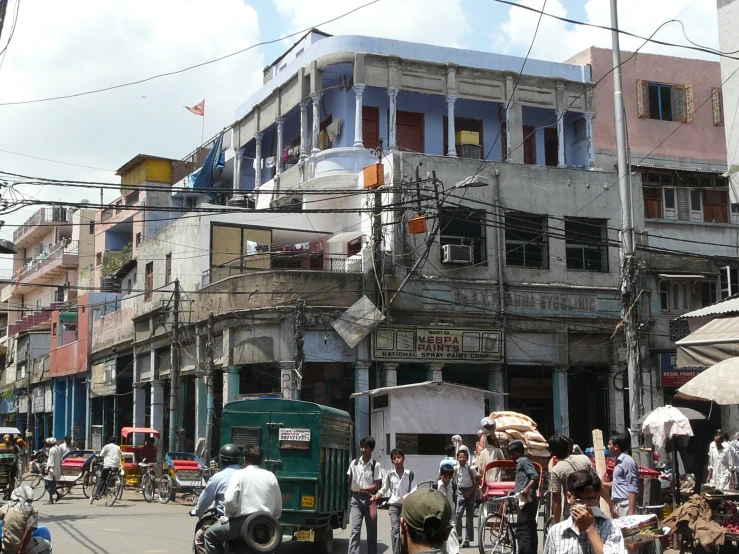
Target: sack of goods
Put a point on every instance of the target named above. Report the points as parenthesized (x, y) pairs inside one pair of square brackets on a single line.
[(511, 426)]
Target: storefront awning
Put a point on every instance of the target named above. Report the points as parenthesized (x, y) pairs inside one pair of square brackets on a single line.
[(707, 169), (680, 277), (712, 343)]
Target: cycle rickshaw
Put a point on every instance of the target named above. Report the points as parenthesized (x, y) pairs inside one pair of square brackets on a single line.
[(184, 472)]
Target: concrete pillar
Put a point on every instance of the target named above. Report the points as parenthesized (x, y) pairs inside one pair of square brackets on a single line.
[(88, 413), (616, 382), (393, 118), (316, 98), (561, 138), (496, 383), (230, 384), (157, 406), (391, 375), (139, 395), (201, 407), (288, 381), (361, 403), (434, 372), (561, 401), (589, 134), (451, 132), (304, 129), (258, 160), (358, 92), (280, 122), (68, 406), (514, 133)]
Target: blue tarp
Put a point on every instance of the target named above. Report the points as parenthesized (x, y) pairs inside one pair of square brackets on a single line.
[(205, 177)]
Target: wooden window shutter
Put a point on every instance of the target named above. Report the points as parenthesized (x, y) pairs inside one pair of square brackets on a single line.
[(689, 104), (678, 104), (642, 99), (717, 101)]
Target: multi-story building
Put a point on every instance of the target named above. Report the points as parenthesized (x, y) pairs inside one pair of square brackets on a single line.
[(686, 245)]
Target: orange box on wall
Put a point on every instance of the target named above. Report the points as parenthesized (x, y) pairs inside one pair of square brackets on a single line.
[(417, 225), (374, 176)]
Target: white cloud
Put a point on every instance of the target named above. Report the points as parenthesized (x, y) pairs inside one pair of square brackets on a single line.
[(557, 41), (56, 51), (440, 22)]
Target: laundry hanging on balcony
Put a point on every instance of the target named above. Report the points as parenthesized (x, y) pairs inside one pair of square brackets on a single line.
[(206, 176)]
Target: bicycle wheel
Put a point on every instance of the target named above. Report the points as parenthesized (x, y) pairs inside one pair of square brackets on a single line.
[(165, 489), (495, 536), (119, 488), (87, 485), (36, 482), (111, 492), (147, 487)]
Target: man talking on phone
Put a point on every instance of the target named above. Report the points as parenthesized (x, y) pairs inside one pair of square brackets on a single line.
[(587, 530)]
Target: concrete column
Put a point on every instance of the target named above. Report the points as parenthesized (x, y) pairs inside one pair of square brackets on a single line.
[(392, 123), (258, 160), (496, 383), (304, 129), (157, 406), (616, 382), (201, 407), (391, 375), (316, 98), (451, 132), (230, 384), (280, 121), (288, 381), (361, 403), (358, 92), (514, 133), (589, 134), (434, 372), (561, 138), (561, 401), (88, 413)]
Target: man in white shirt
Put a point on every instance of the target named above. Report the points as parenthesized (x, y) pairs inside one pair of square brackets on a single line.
[(111, 455), (251, 490), (397, 485), (66, 446), (53, 470)]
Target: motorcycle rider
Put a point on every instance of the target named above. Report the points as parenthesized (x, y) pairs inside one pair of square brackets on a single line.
[(215, 491)]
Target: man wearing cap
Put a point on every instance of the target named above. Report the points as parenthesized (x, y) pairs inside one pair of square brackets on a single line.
[(53, 469), (425, 522), (20, 518)]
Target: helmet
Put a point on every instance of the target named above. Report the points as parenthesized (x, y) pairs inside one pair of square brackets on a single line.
[(229, 453), (489, 424)]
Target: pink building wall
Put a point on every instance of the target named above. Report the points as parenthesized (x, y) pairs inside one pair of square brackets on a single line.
[(699, 139)]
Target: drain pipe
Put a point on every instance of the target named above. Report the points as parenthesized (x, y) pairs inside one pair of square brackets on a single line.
[(499, 223)]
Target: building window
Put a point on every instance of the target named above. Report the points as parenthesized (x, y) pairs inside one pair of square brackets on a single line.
[(468, 138), (464, 227), (551, 147), (168, 268), (708, 293), (529, 145), (119, 206), (526, 240), (685, 197), (59, 296), (586, 241), (729, 281), (664, 102), (683, 296), (370, 126), (149, 280), (409, 131), (138, 239)]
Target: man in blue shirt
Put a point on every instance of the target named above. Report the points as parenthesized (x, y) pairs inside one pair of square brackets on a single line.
[(625, 485), (215, 491)]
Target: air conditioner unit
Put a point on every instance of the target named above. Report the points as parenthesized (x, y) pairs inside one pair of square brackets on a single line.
[(469, 151), (456, 254)]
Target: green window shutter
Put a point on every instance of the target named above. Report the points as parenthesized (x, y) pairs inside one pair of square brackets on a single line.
[(642, 99)]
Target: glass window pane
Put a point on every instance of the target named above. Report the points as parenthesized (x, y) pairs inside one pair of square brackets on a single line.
[(669, 198), (665, 94), (695, 199)]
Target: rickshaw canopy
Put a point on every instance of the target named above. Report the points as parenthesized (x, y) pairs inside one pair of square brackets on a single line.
[(125, 431), (9, 431)]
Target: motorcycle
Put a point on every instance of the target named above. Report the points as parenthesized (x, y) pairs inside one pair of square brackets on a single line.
[(260, 533)]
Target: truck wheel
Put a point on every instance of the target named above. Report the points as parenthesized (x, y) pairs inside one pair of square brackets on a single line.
[(326, 546), (261, 532)]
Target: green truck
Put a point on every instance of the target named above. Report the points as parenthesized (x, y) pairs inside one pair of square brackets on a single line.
[(308, 447)]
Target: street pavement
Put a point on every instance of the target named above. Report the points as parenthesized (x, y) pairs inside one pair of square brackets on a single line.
[(133, 525)]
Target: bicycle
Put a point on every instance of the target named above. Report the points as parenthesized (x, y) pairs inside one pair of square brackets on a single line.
[(111, 488), (496, 533), (148, 480)]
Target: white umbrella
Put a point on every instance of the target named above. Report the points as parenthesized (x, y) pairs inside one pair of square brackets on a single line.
[(719, 384), (664, 423)]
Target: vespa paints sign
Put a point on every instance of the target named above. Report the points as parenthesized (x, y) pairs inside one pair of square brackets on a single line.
[(672, 376), (438, 344)]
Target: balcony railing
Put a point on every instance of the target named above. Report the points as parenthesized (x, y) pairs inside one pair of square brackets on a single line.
[(44, 215), (59, 250), (192, 161), (284, 261), (113, 260)]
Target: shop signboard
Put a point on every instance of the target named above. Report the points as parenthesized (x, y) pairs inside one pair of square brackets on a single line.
[(672, 376), (103, 378), (437, 344), (38, 400)]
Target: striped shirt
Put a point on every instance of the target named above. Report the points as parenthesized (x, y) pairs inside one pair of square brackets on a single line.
[(565, 538)]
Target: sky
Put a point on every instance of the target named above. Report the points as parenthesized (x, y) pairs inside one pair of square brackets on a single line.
[(55, 51)]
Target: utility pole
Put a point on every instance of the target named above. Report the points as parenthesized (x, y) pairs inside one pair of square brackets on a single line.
[(210, 346), (28, 391), (174, 373), (629, 296), (377, 257), (297, 376)]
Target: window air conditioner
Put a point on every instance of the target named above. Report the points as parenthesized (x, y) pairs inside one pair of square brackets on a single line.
[(456, 254)]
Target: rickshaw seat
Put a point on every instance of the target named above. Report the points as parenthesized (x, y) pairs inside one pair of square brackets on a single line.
[(73, 462), (130, 465), (186, 465)]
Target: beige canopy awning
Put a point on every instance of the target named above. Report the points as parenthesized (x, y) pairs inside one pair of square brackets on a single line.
[(716, 341)]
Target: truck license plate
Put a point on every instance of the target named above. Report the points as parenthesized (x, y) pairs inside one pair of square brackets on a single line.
[(308, 501), (306, 535)]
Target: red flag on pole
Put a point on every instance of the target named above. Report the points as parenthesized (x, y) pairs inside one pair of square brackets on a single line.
[(198, 109)]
